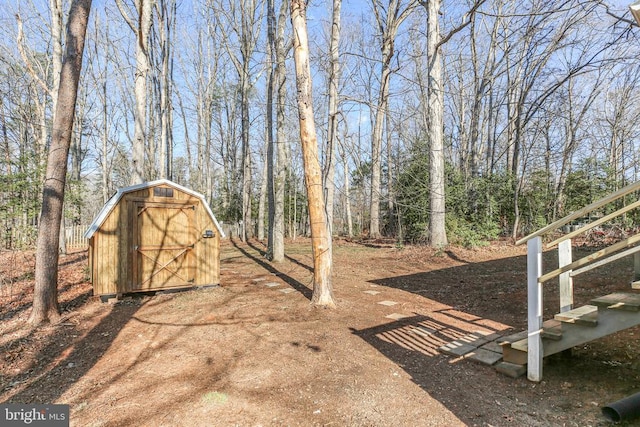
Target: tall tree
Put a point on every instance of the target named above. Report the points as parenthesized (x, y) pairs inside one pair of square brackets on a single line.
[(57, 19), (615, 122), (204, 71), (277, 157), (98, 58), (244, 19), (435, 118), (45, 298), (549, 31), (141, 27), (389, 17), (320, 238), (435, 128), (270, 160), (166, 10), (333, 110), (576, 108), (483, 75)]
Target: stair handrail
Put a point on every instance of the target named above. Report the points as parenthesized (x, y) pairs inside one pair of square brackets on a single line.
[(582, 212), (594, 224), (590, 258)]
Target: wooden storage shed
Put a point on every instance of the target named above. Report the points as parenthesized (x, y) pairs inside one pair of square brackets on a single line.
[(152, 236)]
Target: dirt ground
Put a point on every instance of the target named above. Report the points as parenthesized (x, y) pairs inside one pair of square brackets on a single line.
[(253, 352)]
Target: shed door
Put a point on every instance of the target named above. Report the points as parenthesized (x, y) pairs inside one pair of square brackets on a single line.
[(165, 238)]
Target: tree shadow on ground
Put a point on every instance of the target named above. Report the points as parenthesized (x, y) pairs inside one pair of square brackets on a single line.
[(77, 301), (64, 358), (73, 257), (466, 305), (490, 296), (14, 287), (495, 289), (295, 284), (374, 243), (412, 344)]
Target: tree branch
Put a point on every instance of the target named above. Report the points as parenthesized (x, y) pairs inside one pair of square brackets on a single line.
[(467, 16), (126, 16), (27, 61)]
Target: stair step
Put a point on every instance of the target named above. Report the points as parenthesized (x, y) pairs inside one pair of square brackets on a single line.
[(567, 329), (510, 339), (619, 301), (552, 329), (587, 315)]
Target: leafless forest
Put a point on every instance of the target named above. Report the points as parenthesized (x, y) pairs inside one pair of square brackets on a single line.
[(437, 121)]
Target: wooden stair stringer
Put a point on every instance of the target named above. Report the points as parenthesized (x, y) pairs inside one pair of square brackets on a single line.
[(609, 321)]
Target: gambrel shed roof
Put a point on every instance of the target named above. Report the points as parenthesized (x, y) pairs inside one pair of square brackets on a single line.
[(113, 201)]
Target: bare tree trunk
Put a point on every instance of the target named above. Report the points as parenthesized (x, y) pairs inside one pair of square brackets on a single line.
[(247, 46), (45, 298), (278, 154), (105, 140), (376, 139), (282, 146), (243, 15), (293, 225), (5, 140), (433, 119), (142, 71), (166, 22), (435, 109), (391, 220), (347, 192), (56, 39), (321, 240), (388, 17), (141, 28), (262, 202), (270, 158), (247, 229), (332, 137)]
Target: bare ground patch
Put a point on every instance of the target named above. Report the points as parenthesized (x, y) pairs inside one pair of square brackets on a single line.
[(253, 352)]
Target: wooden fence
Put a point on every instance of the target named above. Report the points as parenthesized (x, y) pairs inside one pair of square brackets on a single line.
[(24, 238), (74, 236)]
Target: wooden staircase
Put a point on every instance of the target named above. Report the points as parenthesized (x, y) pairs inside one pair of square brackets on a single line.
[(604, 316), (575, 326)]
